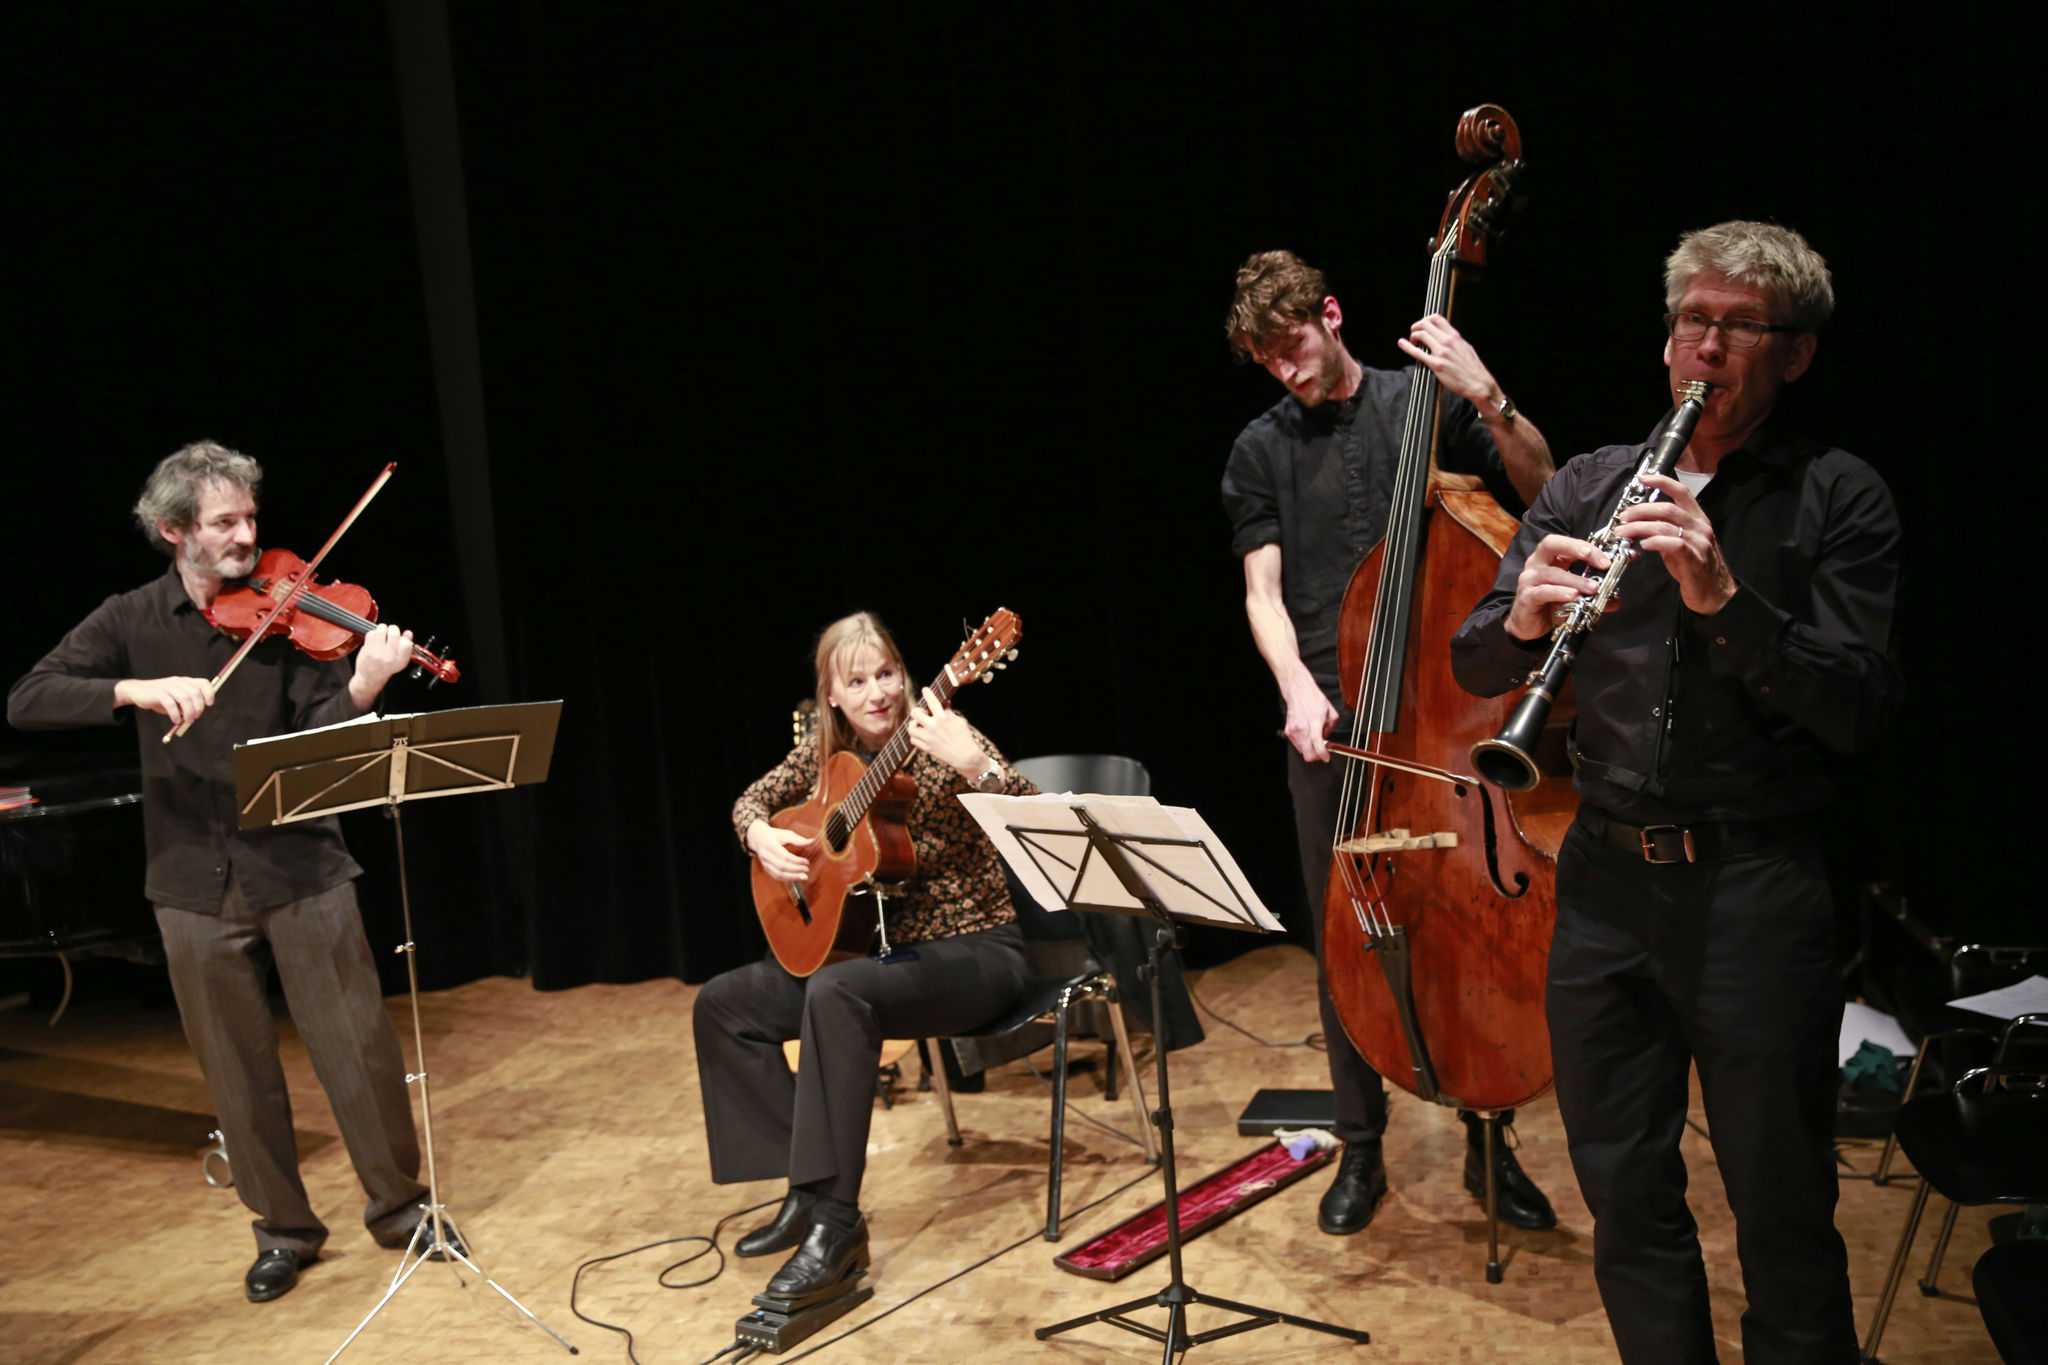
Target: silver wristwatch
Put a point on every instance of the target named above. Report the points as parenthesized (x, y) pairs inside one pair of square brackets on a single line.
[(991, 780)]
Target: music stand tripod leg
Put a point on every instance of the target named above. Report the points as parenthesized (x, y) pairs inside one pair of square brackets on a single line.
[(430, 1239), (1178, 1295)]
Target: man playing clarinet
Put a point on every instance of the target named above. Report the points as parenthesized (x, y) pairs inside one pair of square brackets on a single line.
[(1752, 644)]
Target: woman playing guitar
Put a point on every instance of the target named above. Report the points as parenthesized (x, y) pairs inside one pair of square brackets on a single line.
[(958, 960)]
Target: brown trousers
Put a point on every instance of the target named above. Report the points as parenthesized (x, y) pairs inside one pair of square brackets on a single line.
[(219, 971)]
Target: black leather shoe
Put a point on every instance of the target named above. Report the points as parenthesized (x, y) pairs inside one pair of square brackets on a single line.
[(824, 1267), (791, 1222), (274, 1273), (1515, 1196), (1361, 1183)]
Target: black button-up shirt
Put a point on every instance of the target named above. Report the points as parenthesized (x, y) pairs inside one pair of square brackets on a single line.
[(188, 786), (1318, 482), (1732, 716)]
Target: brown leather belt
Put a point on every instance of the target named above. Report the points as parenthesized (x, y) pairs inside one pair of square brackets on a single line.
[(1695, 843)]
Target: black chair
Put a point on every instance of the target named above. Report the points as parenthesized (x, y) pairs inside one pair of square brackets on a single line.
[(1978, 1140), (1954, 1041), (1065, 979)]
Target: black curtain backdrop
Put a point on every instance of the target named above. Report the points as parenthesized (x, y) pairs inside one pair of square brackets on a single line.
[(917, 308)]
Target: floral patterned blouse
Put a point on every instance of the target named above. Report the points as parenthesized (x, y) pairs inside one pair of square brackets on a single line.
[(958, 886)]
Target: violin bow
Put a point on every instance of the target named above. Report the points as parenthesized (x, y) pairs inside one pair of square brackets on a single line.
[(297, 590)]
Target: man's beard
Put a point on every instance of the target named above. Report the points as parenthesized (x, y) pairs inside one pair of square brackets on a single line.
[(227, 564)]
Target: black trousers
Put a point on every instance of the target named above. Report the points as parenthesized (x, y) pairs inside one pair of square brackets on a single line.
[(763, 1123), (220, 967), (1361, 1096), (1729, 965)]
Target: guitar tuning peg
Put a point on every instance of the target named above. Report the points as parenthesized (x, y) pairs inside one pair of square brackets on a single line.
[(1013, 654)]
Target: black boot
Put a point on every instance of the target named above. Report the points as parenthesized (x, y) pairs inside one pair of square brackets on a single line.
[(830, 1261), (1361, 1183), (791, 1222), (1515, 1196)]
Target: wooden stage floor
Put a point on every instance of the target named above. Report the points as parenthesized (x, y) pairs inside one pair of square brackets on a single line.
[(569, 1126)]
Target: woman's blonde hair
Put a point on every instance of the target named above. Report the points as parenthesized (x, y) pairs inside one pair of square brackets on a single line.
[(839, 644)]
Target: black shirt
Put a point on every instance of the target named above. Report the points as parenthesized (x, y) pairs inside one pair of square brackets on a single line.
[(1318, 482), (188, 786), (1732, 716)]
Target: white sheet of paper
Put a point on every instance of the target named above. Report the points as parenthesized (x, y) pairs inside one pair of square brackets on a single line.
[(1046, 867), (1860, 1022), (2009, 1002)]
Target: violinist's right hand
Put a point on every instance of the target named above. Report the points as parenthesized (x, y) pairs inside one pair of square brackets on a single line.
[(1547, 583), (182, 699), (783, 853)]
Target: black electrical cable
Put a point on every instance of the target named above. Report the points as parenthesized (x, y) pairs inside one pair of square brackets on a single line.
[(710, 1247), (1313, 1041)]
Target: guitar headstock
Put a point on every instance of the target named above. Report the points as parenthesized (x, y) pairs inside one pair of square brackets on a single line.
[(803, 723), (986, 650)]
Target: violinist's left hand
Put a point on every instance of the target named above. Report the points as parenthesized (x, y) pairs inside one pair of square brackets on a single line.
[(384, 653), (1677, 530), (944, 735)]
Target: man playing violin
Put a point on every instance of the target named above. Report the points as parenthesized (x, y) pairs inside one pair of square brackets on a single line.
[(959, 961), (230, 902), (1307, 490), (1752, 644)]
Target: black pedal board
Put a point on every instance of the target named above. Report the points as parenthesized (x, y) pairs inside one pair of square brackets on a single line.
[(775, 1330)]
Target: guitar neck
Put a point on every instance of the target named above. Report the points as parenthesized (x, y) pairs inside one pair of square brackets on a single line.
[(888, 762)]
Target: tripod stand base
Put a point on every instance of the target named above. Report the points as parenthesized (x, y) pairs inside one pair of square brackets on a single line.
[(1176, 1299)]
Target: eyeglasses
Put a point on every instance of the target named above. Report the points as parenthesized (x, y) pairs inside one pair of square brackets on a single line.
[(1738, 332)]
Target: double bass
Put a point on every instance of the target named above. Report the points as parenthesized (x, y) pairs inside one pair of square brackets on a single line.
[(1441, 895)]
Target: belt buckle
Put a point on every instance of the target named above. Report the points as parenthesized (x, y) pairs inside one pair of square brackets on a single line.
[(1650, 844)]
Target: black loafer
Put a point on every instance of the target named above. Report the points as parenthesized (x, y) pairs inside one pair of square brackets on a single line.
[(791, 1222), (1516, 1199), (824, 1267), (1353, 1197), (274, 1273)]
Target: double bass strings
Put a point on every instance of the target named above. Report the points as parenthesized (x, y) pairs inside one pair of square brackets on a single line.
[(1381, 668)]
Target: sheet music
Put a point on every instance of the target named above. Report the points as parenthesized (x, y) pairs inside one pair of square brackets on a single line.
[(2010, 1002), (1203, 884)]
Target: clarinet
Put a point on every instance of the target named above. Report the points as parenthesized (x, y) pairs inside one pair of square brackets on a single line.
[(1507, 759)]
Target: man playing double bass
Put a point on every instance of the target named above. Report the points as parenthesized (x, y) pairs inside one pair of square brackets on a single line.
[(1753, 643), (1307, 490)]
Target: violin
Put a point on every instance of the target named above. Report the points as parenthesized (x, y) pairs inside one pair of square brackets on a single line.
[(326, 620)]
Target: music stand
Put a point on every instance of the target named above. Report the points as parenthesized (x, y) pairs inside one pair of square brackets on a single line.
[(1132, 856), (388, 761)]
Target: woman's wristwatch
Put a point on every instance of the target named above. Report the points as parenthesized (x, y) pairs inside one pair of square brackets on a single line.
[(991, 779)]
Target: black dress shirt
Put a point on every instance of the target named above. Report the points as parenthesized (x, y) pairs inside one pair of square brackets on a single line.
[(1318, 482), (1733, 716), (188, 786)]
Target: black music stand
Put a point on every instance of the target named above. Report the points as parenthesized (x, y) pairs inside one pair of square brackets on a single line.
[(1145, 866), (387, 761)]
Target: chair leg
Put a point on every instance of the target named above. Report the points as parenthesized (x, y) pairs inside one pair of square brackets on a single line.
[(1109, 1063), (1883, 1173), (1897, 1272), (1948, 1226), (1123, 1047), (938, 1075), (1059, 1120)]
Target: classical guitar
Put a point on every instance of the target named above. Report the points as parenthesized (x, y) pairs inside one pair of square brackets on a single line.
[(855, 818)]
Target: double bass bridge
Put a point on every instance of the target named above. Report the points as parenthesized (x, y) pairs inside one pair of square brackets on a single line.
[(1398, 841)]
